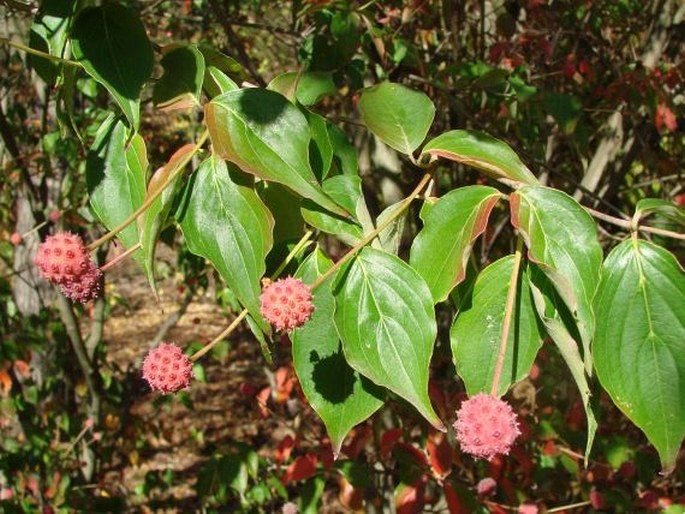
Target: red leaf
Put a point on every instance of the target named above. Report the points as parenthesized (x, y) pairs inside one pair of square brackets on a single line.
[(5, 383), (262, 399), (409, 498), (285, 448), (302, 468), (326, 453), (415, 453), (440, 454), (664, 118), (362, 435), (455, 503), (22, 368), (349, 496), (388, 440)]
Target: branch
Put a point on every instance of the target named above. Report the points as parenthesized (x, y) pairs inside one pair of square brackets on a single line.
[(628, 225)]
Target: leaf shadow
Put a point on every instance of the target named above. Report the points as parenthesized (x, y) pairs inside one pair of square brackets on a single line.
[(332, 376)]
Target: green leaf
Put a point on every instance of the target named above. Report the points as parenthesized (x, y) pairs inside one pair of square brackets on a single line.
[(565, 109), (264, 134), (181, 85), (391, 236), (309, 87), (398, 115), (339, 395), (155, 216), (111, 44), (477, 330), (116, 178), (561, 327), (230, 226), (639, 346), (346, 191), (482, 151), (385, 318), (345, 158), (320, 148), (442, 248), (562, 239), (665, 208), (289, 223), (49, 34), (217, 82)]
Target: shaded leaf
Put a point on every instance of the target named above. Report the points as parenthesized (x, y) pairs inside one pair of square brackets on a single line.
[(229, 225), (346, 191), (398, 115), (49, 34), (116, 177), (665, 208), (339, 395), (267, 136), (562, 239), (482, 151), (557, 320), (391, 236), (320, 148), (441, 249), (111, 44), (387, 334), (308, 88), (181, 85), (477, 330), (155, 216), (639, 346)]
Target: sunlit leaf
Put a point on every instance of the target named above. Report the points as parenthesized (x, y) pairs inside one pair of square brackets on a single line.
[(229, 225), (264, 134), (385, 318), (339, 395), (398, 115), (441, 249), (640, 342), (562, 239), (474, 148), (477, 330)]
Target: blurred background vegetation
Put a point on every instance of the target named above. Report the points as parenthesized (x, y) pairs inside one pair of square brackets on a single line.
[(588, 92)]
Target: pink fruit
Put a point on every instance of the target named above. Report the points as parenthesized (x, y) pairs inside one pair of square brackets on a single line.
[(62, 258), (167, 369), (486, 426), (528, 508), (287, 303), (54, 216), (486, 487), (15, 239), (87, 287)]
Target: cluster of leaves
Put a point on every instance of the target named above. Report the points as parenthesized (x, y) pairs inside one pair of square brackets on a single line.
[(279, 167)]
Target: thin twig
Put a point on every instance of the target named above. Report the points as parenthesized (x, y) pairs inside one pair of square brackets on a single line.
[(629, 226), (38, 53), (120, 257), (508, 314), (151, 198)]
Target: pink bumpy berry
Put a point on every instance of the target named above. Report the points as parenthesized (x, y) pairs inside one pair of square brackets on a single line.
[(54, 216), (86, 288), (15, 239), (486, 426), (167, 369), (62, 258), (287, 303)]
